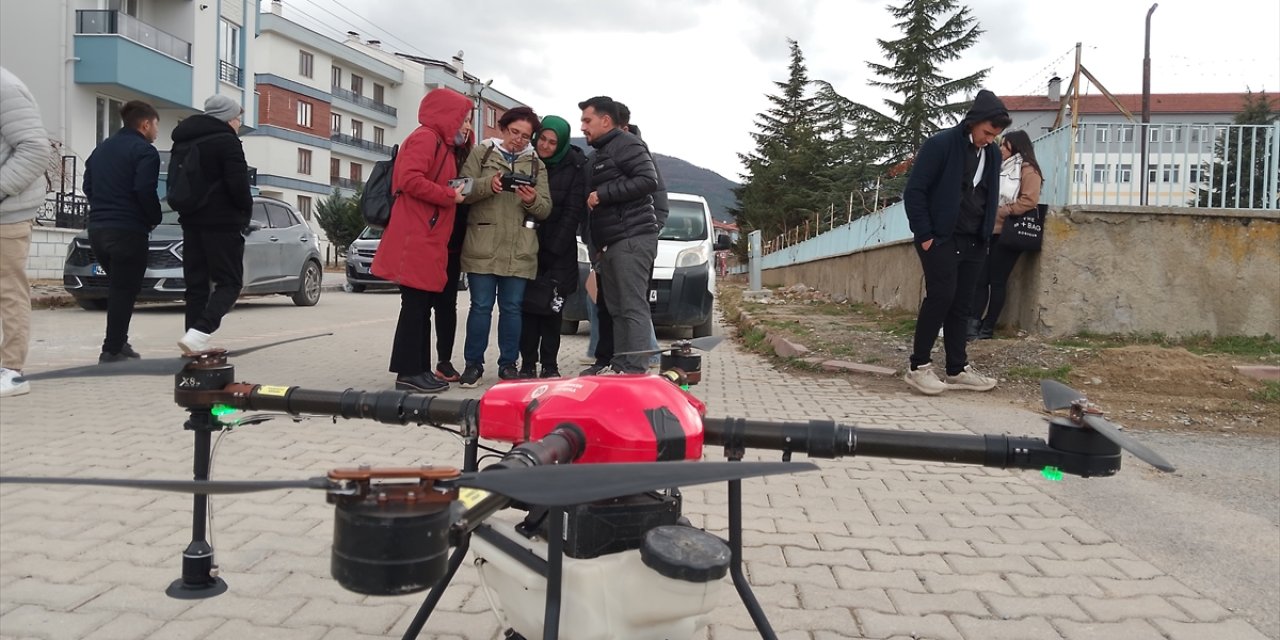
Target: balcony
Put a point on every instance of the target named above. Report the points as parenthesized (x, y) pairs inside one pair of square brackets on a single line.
[(228, 72), (368, 103), (113, 48), (345, 183), (351, 141)]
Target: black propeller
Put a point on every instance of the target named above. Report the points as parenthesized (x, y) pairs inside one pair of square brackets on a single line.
[(551, 486), (705, 343), (148, 367), (1059, 396)]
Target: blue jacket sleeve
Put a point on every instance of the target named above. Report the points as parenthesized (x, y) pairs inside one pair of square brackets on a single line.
[(915, 198)]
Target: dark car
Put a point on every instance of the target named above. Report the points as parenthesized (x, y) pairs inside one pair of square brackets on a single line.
[(281, 256)]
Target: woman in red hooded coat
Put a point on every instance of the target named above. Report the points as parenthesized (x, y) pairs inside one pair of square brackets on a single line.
[(414, 250)]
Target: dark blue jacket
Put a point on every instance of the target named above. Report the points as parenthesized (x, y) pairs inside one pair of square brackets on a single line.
[(932, 196), (120, 179)]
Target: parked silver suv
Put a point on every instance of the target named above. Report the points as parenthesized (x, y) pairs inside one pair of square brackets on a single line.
[(281, 256), (360, 260)]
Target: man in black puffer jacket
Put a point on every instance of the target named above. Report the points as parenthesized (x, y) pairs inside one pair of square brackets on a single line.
[(623, 226), (212, 231)]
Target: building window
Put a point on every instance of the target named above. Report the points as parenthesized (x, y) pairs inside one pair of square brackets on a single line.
[(378, 135), (357, 84), (108, 117), (379, 93), (304, 161), (1102, 134), (229, 42), (1124, 173), (1077, 175), (304, 207), (335, 167), (335, 122), (357, 129), (1101, 173), (1169, 172), (1169, 134), (1126, 133), (1152, 170), (335, 76), (128, 7), (357, 172), (1195, 174), (304, 114), (1199, 134), (491, 117), (306, 63)]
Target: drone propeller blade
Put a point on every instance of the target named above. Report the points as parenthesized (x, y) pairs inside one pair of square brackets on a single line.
[(207, 487), (1057, 395), (705, 343), (138, 367), (148, 367), (259, 347), (569, 484), (1114, 434)]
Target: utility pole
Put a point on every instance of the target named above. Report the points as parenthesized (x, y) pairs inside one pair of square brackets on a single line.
[(1146, 104)]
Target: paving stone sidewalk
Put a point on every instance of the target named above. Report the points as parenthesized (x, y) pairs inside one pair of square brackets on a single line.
[(865, 548)]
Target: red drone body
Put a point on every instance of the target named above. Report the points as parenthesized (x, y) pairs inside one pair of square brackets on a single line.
[(625, 418)]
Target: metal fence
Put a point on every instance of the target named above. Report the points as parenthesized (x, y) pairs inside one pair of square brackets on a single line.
[(368, 103), (1185, 165)]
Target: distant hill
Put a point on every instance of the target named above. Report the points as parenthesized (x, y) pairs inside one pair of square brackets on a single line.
[(684, 177)]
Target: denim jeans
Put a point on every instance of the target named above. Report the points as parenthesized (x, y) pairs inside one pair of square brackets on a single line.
[(508, 291)]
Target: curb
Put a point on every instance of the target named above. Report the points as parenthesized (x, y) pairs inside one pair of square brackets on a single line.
[(784, 347)]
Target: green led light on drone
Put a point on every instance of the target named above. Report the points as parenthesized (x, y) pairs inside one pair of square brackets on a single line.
[(220, 410), (1053, 474)]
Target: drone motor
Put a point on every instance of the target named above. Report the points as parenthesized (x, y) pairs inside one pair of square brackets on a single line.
[(391, 534)]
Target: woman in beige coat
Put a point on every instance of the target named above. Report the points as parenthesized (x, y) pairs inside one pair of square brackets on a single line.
[(500, 251), (1020, 181)]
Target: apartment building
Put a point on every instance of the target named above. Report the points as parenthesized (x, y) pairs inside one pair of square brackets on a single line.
[(83, 59), (1107, 165), (330, 109)]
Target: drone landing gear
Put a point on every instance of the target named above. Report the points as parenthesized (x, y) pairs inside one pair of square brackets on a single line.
[(740, 583), (199, 575)]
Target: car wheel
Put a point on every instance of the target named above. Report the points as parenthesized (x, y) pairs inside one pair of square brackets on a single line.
[(308, 293), (568, 327), (92, 304), (356, 288), (705, 329)]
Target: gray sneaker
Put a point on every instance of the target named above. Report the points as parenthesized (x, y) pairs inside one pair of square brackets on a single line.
[(970, 380), (924, 380)]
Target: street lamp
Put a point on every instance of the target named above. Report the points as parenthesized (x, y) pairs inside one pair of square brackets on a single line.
[(1146, 103)]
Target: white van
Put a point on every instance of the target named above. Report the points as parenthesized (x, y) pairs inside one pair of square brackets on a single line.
[(682, 289)]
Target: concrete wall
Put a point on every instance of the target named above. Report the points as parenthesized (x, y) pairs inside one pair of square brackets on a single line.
[(48, 252), (1175, 271)]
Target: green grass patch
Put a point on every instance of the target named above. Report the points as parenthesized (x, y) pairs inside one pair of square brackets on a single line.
[(1034, 374), (899, 327), (754, 339), (1269, 392)]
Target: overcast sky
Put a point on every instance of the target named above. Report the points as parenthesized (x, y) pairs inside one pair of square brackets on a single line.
[(695, 72)]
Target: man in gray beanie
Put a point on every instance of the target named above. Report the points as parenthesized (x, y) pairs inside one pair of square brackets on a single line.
[(208, 159)]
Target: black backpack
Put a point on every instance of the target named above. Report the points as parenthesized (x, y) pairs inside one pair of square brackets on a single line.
[(187, 188), (377, 198)]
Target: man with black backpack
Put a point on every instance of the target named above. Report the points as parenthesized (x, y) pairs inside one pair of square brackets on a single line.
[(209, 187)]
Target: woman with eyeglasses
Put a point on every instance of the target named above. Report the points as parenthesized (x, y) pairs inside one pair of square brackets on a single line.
[(509, 196), (1020, 181)]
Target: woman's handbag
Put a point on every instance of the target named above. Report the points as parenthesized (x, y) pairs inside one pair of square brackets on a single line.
[(1024, 232)]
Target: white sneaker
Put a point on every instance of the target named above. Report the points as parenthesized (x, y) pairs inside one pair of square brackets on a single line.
[(194, 341), (970, 380), (924, 380), (13, 384)]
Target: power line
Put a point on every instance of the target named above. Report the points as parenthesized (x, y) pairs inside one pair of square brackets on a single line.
[(379, 30), (1034, 77)]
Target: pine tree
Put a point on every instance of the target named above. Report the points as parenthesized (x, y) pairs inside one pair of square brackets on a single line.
[(339, 217), (1240, 158), (781, 186), (913, 71)]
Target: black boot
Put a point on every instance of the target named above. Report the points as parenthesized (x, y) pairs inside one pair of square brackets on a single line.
[(975, 326)]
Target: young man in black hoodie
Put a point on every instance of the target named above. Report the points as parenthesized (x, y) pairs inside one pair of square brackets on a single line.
[(213, 230), (121, 178), (950, 200)]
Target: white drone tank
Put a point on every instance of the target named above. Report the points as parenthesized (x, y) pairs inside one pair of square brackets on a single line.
[(664, 591)]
